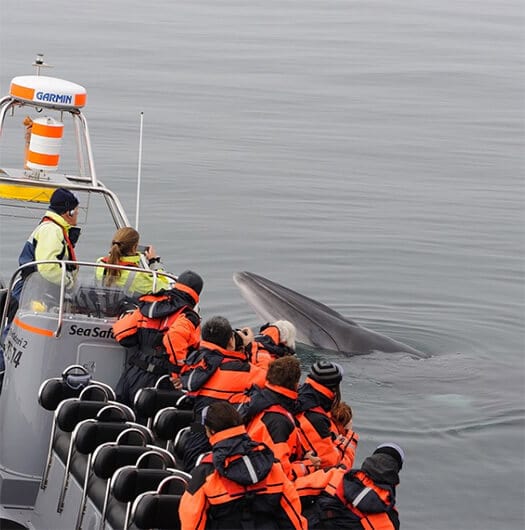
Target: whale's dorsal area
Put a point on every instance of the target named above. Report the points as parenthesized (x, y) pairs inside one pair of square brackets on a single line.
[(317, 324)]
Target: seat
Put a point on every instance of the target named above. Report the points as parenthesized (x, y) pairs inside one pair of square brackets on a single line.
[(130, 481), (69, 411), (109, 422), (148, 401), (180, 442), (168, 422), (52, 391), (109, 457), (158, 509)]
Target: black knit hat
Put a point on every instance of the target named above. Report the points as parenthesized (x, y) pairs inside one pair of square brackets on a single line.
[(62, 201), (191, 279), (393, 450), (326, 373)]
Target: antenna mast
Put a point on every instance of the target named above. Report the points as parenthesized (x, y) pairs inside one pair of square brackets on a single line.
[(39, 63), (139, 173)]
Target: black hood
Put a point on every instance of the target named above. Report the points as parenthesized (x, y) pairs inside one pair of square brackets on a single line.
[(261, 399), (309, 398), (241, 460), (382, 469)]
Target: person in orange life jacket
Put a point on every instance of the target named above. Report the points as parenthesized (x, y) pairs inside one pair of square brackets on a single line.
[(217, 371), (163, 329), (239, 485), (269, 416), (273, 341), (317, 396), (53, 239), (357, 499), (124, 251)]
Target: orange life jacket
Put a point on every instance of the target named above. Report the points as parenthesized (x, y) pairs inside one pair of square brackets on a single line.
[(223, 494), (133, 322), (105, 259), (231, 380), (332, 449), (370, 521), (135, 329), (290, 451), (123, 263)]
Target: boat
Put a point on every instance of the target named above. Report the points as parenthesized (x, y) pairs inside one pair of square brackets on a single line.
[(60, 342)]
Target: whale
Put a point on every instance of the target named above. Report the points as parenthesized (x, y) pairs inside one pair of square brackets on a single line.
[(317, 324)]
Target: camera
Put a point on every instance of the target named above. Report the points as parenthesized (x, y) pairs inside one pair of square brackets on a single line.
[(142, 248), (239, 342)]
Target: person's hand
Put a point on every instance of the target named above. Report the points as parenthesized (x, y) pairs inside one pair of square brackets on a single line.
[(176, 382), (246, 335), (150, 252), (316, 461)]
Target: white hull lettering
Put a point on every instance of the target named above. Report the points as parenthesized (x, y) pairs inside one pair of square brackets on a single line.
[(95, 332)]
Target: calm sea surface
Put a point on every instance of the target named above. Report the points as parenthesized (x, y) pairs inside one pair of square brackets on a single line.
[(367, 154)]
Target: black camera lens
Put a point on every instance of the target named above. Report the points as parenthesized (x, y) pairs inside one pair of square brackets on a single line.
[(239, 343)]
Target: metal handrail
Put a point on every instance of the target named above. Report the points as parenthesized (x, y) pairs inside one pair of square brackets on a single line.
[(63, 264)]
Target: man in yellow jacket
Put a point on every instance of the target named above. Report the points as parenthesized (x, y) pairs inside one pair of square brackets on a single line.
[(53, 239)]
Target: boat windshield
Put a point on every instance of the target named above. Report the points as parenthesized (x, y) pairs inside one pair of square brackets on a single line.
[(88, 297)]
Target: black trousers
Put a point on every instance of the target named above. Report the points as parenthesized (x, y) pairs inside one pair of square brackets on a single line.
[(130, 382)]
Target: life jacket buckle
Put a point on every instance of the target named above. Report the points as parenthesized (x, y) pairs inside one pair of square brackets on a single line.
[(151, 368)]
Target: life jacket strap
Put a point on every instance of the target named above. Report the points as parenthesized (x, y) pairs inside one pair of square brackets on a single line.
[(151, 367)]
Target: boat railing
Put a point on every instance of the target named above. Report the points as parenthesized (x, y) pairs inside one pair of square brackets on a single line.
[(63, 293), (73, 183)]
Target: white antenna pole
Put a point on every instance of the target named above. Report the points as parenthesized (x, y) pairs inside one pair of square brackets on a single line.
[(139, 174)]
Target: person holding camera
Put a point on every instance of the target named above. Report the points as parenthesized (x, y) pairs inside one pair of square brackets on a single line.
[(274, 340), (125, 251), (218, 371)]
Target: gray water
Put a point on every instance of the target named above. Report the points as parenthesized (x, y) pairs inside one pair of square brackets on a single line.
[(367, 154)]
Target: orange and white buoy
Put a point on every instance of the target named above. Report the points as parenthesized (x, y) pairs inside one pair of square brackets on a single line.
[(44, 146)]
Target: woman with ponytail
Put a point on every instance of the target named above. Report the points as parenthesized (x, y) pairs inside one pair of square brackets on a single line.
[(319, 397), (124, 250)]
